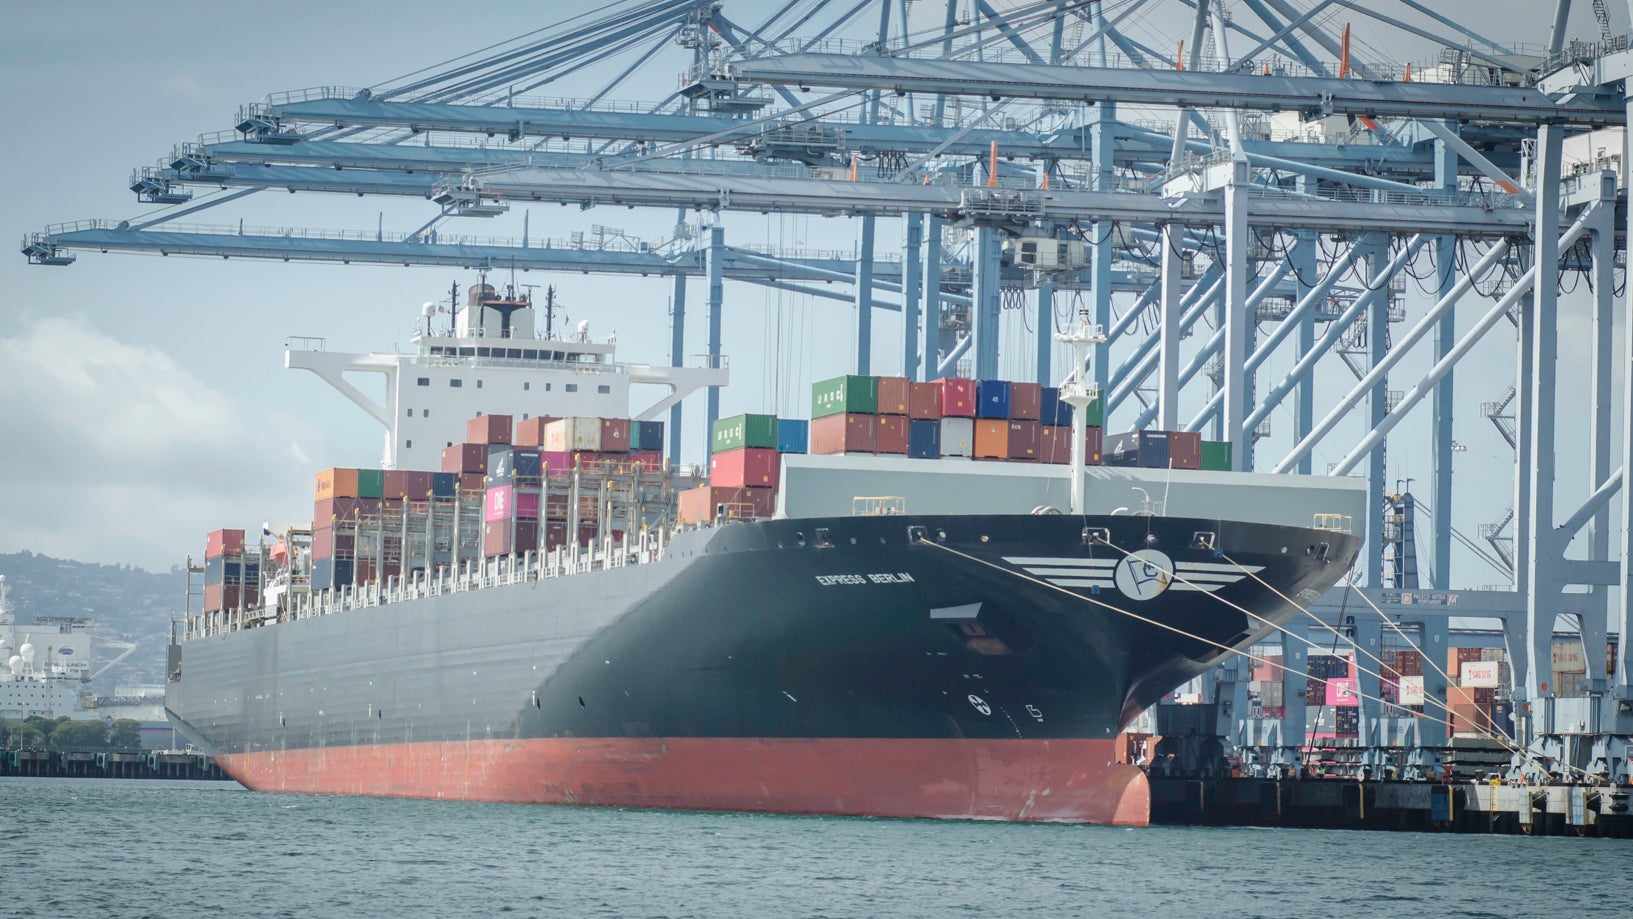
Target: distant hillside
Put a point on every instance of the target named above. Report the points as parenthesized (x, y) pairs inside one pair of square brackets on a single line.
[(127, 604)]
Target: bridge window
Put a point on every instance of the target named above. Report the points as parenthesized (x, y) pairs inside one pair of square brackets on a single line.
[(603, 389), (571, 387), (423, 381), (531, 354), (481, 352), (526, 386), (410, 413), (409, 444), (455, 384), (478, 384)]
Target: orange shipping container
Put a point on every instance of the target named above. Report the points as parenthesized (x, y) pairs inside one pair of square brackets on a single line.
[(895, 396), (992, 438), (336, 483), (704, 503), (530, 432), (924, 401)]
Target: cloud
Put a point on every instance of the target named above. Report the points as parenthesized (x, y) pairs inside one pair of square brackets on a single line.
[(113, 453)]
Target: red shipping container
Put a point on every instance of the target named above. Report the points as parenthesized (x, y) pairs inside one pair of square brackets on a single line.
[(555, 535), (473, 482), (1185, 449), (848, 433), (924, 401), (615, 435), (895, 396), (745, 467), (648, 460), (890, 434), (702, 504), (327, 543), (224, 542), (393, 483), (957, 398), (330, 511), (507, 501), (555, 462), (219, 597), (1025, 401), (487, 429), (464, 458), (1093, 441), (1023, 440), (992, 438)]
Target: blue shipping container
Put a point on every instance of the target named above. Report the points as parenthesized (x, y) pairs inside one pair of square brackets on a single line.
[(508, 464), (444, 484), (793, 435), (1053, 411), (924, 438), (1146, 449), (331, 572), (646, 435), (992, 399)]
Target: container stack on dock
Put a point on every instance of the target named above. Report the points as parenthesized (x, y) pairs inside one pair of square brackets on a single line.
[(232, 580)]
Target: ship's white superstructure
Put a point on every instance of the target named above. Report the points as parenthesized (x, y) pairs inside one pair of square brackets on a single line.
[(492, 345), (43, 665)]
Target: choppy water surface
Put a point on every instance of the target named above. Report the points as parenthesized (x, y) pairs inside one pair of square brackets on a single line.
[(144, 848)]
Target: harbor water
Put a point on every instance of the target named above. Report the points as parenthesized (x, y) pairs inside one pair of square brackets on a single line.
[(161, 848)]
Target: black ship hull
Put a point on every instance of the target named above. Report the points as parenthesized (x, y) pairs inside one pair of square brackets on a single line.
[(960, 666)]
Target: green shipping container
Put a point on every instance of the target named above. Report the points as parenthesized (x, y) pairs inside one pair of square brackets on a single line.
[(1216, 455), (840, 395), (740, 431), (370, 482), (1097, 415)]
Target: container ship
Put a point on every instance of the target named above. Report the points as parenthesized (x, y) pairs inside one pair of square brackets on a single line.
[(918, 603)]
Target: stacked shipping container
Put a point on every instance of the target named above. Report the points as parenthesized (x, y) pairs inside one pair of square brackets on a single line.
[(232, 580)]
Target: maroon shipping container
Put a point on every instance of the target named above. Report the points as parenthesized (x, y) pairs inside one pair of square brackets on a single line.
[(615, 435), (847, 433), (702, 504), (1185, 449), (487, 429), (957, 398), (895, 396), (1054, 443), (219, 597), (326, 543), (924, 401), (224, 542), (1026, 401), (1023, 440), (1093, 439), (474, 481), (555, 535), (329, 511), (367, 571), (648, 460), (745, 467), (890, 434), (555, 462), (510, 537), (465, 458), (403, 484)]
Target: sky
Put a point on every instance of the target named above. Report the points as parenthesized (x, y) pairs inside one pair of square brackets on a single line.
[(143, 400)]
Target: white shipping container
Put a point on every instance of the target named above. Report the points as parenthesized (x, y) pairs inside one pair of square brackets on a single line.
[(1480, 675), (957, 436), (1568, 657), (1270, 694), (1411, 688), (572, 435)]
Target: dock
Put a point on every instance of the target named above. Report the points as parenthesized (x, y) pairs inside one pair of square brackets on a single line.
[(146, 764), (1456, 807)]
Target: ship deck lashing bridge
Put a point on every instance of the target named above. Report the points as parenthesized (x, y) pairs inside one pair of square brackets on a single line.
[(1237, 209)]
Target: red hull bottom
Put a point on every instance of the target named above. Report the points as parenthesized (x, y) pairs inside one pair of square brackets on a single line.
[(1072, 781)]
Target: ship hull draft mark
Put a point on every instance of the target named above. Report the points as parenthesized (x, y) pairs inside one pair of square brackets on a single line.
[(892, 666), (1012, 780)]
